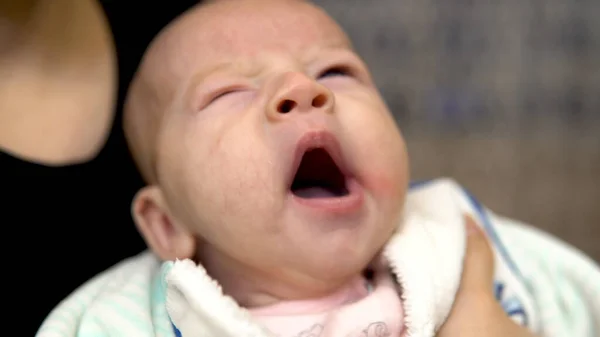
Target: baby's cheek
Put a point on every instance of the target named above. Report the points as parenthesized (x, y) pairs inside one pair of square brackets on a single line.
[(384, 163), (388, 190), (240, 188)]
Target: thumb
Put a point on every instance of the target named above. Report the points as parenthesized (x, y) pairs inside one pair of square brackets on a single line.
[(478, 269), (475, 311)]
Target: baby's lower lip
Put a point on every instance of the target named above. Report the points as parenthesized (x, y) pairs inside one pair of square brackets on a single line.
[(346, 204)]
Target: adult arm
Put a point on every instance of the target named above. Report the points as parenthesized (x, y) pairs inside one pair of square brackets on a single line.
[(57, 80)]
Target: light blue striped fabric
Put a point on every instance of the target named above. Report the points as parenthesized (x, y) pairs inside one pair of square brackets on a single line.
[(129, 299)]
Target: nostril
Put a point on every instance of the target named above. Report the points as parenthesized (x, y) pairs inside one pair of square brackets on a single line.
[(319, 101), (286, 106)]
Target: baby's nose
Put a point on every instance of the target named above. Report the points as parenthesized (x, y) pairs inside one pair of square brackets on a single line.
[(298, 94)]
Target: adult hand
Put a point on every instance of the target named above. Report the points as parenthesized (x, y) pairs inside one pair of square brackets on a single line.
[(476, 313)]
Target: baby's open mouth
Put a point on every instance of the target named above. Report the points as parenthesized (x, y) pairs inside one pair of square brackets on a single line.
[(318, 176)]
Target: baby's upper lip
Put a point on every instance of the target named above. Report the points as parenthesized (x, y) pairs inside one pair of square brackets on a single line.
[(318, 139)]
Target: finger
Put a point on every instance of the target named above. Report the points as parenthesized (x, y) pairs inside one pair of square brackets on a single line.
[(474, 301), (478, 269)]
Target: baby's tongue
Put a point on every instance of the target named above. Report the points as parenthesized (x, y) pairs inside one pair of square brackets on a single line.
[(314, 192)]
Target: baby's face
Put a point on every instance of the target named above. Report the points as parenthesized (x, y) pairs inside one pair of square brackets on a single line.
[(276, 151)]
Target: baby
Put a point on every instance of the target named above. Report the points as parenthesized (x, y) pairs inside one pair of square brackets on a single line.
[(278, 200)]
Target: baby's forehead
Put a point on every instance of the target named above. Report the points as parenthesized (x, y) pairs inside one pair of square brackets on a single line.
[(213, 34), (284, 24)]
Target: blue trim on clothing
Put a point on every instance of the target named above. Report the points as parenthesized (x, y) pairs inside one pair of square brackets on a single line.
[(491, 232), (512, 306), (418, 184), (175, 330)]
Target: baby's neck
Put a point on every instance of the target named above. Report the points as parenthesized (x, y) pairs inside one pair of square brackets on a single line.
[(251, 289), (351, 292)]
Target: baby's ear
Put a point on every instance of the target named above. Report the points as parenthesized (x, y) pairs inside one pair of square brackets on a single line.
[(167, 238)]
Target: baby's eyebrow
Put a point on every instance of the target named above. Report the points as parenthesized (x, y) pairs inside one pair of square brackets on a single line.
[(240, 67), (220, 67)]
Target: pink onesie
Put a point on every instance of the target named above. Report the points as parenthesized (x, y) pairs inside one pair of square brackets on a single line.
[(359, 310)]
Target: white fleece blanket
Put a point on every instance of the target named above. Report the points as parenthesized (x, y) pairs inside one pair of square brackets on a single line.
[(541, 282)]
